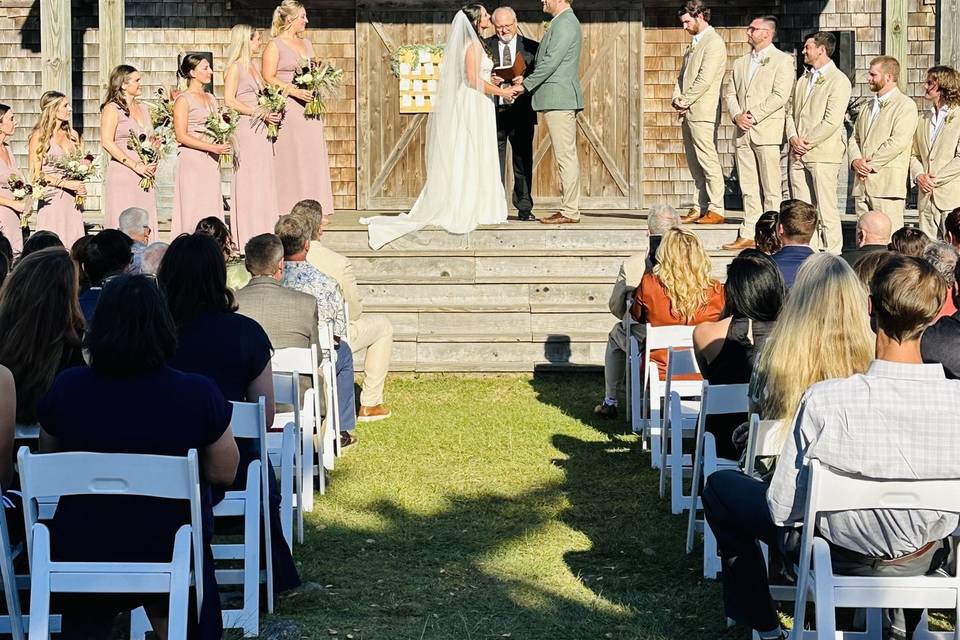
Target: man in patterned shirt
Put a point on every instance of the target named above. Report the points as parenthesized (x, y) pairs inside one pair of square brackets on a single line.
[(867, 425), (302, 276)]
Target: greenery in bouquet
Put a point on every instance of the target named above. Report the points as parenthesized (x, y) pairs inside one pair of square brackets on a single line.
[(320, 78), (221, 125), (78, 166), (30, 194), (271, 99), (409, 54), (161, 115), (150, 149)]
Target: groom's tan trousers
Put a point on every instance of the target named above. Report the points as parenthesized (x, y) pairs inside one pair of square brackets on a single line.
[(562, 126)]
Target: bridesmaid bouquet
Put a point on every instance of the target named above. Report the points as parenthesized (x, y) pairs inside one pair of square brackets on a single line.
[(161, 115), (150, 150), (77, 166), (221, 124), (24, 191), (322, 79), (271, 99)]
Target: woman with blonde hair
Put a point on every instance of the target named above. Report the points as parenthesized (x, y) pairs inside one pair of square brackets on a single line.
[(122, 115), (196, 189), (253, 203), (679, 290), (823, 332), (300, 153), (53, 137)]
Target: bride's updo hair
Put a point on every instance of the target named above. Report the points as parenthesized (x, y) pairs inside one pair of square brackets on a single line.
[(473, 12)]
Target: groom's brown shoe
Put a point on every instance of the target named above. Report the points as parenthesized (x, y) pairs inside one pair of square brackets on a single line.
[(559, 218), (692, 216), (551, 219)]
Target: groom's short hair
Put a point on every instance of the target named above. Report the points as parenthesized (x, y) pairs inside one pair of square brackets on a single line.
[(695, 8)]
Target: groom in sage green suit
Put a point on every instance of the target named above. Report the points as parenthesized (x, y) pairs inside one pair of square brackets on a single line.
[(555, 88)]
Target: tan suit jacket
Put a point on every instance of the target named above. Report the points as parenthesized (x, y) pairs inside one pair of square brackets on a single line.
[(942, 160), (887, 144), (819, 118), (631, 272), (288, 317), (701, 76), (765, 96), (340, 269)]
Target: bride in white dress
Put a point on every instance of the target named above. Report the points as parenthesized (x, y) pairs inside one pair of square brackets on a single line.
[(463, 187)]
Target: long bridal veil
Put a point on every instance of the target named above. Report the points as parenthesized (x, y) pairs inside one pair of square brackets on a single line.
[(463, 187)]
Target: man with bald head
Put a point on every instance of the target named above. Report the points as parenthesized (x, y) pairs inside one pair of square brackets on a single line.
[(516, 120), (873, 234)]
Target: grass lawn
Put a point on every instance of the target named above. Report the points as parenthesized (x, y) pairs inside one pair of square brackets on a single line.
[(497, 507)]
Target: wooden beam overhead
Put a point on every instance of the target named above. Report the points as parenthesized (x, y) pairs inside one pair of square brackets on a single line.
[(55, 46), (112, 17), (950, 32)]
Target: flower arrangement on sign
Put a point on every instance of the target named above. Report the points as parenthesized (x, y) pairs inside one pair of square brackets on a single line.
[(221, 125), (320, 78), (270, 100), (411, 56), (78, 166), (150, 150), (161, 115)]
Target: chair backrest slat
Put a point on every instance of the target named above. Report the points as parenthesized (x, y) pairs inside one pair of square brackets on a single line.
[(675, 335), (725, 398)]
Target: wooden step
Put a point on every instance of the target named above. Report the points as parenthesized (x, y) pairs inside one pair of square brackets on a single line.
[(499, 327)]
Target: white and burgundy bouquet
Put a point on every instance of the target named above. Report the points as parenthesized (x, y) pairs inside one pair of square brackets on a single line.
[(320, 78), (270, 100), (27, 193), (161, 115), (79, 166), (221, 125), (150, 150)]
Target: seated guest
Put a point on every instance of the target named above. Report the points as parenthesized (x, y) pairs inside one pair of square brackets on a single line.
[(77, 251), (725, 349), (135, 222), (765, 233), (909, 241), (215, 228), (105, 255), (41, 325), (39, 240), (941, 340), (300, 275), (866, 425), (951, 227), (868, 265), (822, 332), (231, 349), (796, 225), (12, 502), (129, 344), (370, 332), (6, 251), (943, 256), (660, 219), (873, 234), (152, 256)]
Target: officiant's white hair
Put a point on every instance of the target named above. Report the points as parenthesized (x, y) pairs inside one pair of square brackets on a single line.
[(505, 9)]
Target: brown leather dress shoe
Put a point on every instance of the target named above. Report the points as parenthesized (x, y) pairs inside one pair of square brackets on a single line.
[(372, 414), (692, 216), (558, 218), (711, 217), (551, 219), (740, 244)]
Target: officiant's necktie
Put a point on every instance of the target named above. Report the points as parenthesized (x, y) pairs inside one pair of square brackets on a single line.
[(507, 59)]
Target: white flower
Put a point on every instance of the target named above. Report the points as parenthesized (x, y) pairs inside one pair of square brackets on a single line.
[(73, 164), (306, 79), (19, 194)]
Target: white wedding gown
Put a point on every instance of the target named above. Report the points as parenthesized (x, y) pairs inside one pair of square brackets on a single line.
[(463, 188)]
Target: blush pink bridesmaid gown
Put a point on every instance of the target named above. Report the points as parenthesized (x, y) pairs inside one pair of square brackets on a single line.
[(58, 212), (301, 162), (9, 219), (196, 187), (122, 184), (253, 201)]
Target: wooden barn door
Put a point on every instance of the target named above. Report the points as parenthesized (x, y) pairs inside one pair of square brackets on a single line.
[(390, 145)]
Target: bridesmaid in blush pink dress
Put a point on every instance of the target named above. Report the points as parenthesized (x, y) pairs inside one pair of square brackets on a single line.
[(10, 208), (253, 201), (196, 189), (53, 137), (301, 161), (121, 113)]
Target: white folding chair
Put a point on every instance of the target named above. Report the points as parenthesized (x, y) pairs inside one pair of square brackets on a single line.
[(284, 448), (718, 399), (328, 361), (13, 622), (70, 474), (763, 441), (680, 422), (305, 361), (829, 490), (658, 338)]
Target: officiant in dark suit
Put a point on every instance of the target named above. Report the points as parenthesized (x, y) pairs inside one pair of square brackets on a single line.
[(515, 121)]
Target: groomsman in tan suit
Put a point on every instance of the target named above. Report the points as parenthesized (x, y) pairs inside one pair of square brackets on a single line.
[(696, 98), (936, 151), (816, 135), (757, 97), (880, 144)]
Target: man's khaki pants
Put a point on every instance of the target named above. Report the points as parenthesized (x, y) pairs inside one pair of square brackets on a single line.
[(615, 360), (562, 127), (932, 218), (758, 169), (816, 183), (375, 334), (700, 147), (892, 207)]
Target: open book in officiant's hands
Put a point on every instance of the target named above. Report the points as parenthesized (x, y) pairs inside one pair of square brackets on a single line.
[(507, 74)]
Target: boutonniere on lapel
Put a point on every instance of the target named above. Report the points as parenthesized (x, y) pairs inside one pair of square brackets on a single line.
[(689, 49), (884, 104), (951, 115), (765, 61), (820, 80), (546, 26)]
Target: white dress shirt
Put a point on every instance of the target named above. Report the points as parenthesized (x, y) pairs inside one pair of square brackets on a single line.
[(815, 75), (877, 102), (756, 59), (936, 121)]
